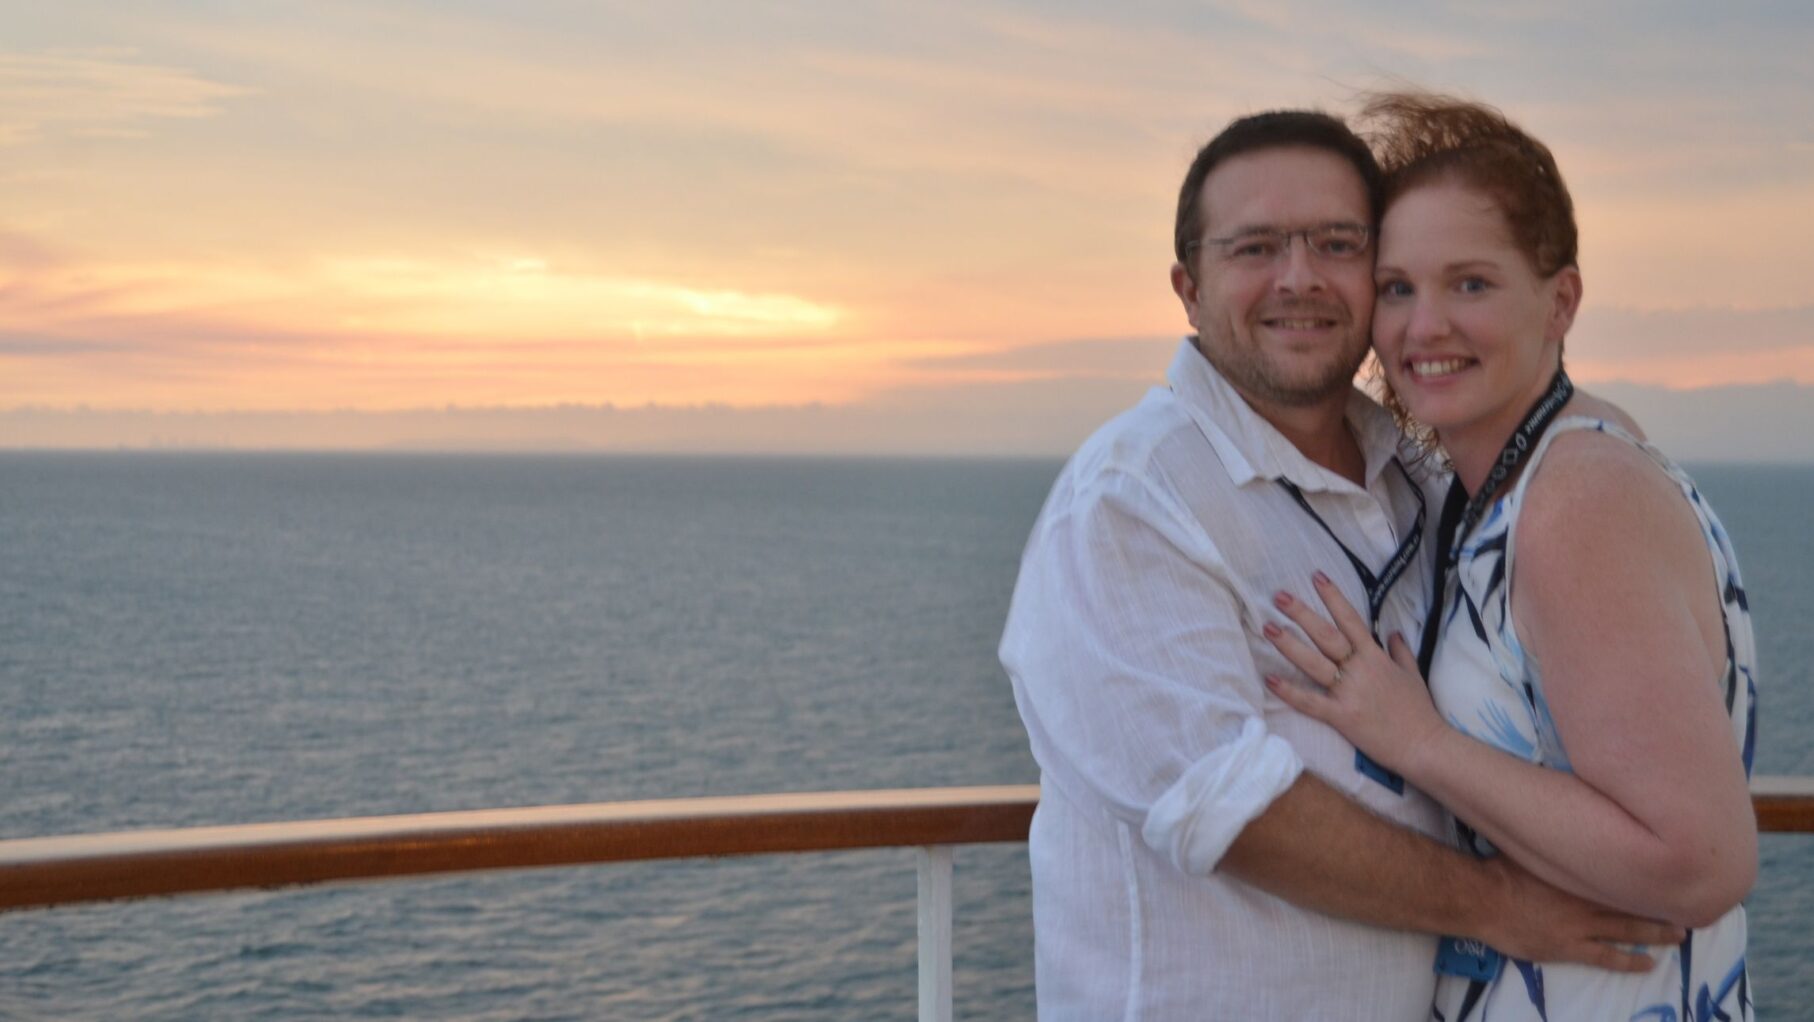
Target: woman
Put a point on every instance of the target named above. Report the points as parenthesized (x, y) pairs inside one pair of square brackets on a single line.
[(1589, 706)]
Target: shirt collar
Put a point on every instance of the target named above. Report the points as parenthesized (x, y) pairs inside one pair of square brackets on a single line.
[(1252, 448)]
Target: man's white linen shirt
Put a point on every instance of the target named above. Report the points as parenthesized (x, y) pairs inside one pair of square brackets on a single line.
[(1135, 650)]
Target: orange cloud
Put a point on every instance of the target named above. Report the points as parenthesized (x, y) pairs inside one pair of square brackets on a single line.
[(384, 331), (97, 93), (360, 205)]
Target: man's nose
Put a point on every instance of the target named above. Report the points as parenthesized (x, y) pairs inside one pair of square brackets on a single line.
[(1299, 273)]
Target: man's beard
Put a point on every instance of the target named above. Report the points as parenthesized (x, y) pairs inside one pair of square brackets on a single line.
[(1255, 374)]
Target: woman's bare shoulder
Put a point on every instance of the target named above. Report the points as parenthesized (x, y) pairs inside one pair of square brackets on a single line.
[(1598, 503)]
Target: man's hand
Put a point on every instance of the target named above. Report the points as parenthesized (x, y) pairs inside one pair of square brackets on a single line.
[(1318, 850), (1527, 918)]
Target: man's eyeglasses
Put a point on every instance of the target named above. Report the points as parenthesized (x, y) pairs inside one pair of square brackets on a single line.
[(1262, 247)]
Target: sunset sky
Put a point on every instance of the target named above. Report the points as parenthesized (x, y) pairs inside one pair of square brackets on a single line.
[(211, 207)]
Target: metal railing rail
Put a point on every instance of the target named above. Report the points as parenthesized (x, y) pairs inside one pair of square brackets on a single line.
[(74, 869)]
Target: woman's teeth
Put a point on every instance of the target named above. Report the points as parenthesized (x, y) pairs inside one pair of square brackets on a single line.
[(1426, 370)]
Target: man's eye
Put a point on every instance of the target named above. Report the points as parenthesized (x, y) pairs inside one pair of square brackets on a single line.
[(1257, 248), (1340, 241)]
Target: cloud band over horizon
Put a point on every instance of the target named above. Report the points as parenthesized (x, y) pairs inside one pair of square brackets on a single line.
[(388, 207)]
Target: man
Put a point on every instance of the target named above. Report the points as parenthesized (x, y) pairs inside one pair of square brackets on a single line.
[(1200, 850)]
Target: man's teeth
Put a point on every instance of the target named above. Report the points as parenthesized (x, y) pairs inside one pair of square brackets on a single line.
[(1301, 324), (1442, 368)]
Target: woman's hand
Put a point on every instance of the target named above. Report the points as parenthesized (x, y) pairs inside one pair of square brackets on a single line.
[(1378, 702)]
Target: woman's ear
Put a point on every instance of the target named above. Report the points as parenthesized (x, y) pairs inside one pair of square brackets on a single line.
[(1567, 284)]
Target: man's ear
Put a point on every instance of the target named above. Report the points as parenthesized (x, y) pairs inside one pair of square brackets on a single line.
[(1185, 287)]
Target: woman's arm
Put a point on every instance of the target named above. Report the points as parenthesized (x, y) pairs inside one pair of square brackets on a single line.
[(1615, 598)]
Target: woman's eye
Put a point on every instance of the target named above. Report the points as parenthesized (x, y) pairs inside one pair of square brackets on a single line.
[(1394, 289), (1473, 286)]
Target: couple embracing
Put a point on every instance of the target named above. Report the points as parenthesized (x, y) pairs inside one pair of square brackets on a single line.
[(1441, 710)]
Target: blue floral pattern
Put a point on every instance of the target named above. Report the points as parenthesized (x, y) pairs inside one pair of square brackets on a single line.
[(1485, 685)]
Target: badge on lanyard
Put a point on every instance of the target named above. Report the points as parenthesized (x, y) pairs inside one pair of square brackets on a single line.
[(1469, 959)]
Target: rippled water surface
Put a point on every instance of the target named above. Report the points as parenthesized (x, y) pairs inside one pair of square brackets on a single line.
[(190, 639)]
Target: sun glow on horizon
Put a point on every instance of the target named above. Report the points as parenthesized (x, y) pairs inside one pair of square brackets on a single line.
[(310, 209)]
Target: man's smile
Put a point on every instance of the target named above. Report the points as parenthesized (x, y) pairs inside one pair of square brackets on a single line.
[(1300, 323)]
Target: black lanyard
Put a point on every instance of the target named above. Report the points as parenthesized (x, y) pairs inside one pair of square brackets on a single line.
[(1377, 586), (1460, 513)]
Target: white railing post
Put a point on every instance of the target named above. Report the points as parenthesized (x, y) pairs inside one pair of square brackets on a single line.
[(935, 933)]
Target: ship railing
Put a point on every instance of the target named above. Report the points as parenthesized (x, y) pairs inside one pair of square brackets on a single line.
[(45, 872)]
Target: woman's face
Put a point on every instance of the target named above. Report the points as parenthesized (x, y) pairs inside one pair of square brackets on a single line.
[(1467, 333)]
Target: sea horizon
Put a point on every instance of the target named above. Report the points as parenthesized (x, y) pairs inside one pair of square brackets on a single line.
[(192, 639)]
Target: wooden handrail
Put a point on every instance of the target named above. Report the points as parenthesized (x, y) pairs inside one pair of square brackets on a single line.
[(40, 872), (47, 871), (1784, 804)]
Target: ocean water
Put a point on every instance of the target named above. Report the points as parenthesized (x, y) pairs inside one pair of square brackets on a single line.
[(189, 639)]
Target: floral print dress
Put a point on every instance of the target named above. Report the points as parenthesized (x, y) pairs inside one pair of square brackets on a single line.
[(1484, 684)]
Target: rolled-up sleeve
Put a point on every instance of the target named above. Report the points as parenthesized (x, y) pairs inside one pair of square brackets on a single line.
[(1132, 671)]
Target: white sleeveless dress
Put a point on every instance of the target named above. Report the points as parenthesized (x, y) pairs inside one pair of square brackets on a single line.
[(1486, 686)]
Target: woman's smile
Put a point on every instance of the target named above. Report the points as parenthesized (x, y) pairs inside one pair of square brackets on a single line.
[(1427, 369)]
